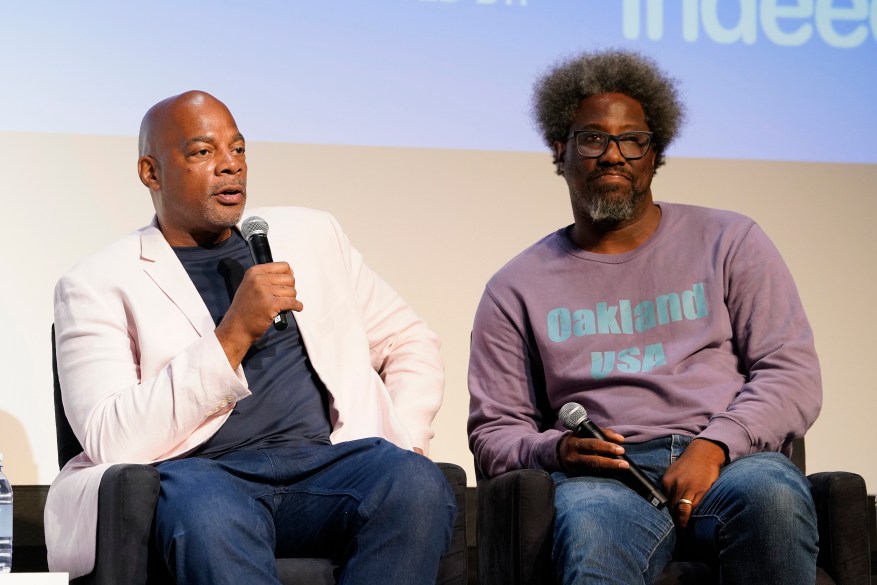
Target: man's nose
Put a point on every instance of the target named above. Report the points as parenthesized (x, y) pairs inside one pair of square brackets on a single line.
[(612, 155), (229, 163)]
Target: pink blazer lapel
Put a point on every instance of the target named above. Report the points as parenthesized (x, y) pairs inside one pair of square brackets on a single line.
[(165, 270)]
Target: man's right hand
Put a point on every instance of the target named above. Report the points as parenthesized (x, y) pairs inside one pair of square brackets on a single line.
[(579, 456), (265, 291)]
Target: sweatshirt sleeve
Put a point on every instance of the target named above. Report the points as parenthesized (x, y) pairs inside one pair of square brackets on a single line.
[(504, 417), (782, 393)]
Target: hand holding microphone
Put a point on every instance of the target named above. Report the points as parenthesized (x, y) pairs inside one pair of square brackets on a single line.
[(255, 232), (574, 417), (264, 296)]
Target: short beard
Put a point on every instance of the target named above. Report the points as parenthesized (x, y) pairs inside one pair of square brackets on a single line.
[(223, 218), (610, 205), (226, 217)]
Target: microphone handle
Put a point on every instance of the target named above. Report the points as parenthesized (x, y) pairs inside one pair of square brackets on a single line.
[(261, 252), (643, 485)]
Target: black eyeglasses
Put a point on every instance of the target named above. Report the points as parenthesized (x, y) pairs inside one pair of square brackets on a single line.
[(593, 143)]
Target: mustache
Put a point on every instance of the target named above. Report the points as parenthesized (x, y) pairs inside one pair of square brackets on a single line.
[(228, 185), (601, 172)]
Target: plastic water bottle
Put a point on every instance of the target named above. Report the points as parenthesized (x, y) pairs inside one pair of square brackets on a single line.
[(5, 521)]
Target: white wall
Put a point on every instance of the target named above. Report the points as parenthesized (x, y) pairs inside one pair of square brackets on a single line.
[(436, 224)]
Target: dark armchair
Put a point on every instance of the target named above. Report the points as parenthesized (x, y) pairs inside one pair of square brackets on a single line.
[(126, 505), (515, 521)]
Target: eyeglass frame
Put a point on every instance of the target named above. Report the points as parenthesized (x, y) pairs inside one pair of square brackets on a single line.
[(611, 138)]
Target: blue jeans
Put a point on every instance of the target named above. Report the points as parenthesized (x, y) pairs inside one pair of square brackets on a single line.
[(757, 524), (384, 514)]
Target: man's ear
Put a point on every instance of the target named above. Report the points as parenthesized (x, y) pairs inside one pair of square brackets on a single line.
[(559, 152), (147, 169)]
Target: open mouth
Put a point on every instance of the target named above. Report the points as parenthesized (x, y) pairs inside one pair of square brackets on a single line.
[(230, 195)]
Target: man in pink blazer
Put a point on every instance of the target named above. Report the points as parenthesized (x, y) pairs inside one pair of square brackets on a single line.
[(310, 439)]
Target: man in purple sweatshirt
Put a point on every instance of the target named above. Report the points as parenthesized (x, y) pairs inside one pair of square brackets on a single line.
[(679, 327)]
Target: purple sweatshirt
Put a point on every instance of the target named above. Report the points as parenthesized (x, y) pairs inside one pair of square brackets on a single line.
[(698, 332)]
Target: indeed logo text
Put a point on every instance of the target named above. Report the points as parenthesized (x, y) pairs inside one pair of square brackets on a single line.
[(844, 24)]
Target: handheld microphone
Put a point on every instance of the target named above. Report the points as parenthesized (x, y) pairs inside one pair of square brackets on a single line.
[(575, 418), (255, 231)]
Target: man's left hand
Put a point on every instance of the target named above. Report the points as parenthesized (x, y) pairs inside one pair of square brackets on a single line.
[(689, 477)]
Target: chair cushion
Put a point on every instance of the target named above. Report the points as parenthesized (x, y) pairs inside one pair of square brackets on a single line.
[(306, 571)]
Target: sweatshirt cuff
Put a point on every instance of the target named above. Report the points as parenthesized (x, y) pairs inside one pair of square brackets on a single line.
[(729, 433), (546, 453)]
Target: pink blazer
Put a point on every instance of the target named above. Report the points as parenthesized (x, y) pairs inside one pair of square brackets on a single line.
[(144, 378)]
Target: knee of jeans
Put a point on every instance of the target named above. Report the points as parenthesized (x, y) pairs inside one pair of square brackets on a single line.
[(419, 501), (417, 486), (426, 479), (777, 493), (641, 542)]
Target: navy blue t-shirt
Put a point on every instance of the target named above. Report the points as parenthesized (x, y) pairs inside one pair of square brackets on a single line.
[(289, 403)]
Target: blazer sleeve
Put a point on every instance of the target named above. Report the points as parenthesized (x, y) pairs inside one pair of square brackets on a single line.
[(118, 412), (403, 350)]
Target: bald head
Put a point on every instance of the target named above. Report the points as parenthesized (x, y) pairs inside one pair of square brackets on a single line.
[(166, 113), (192, 160)]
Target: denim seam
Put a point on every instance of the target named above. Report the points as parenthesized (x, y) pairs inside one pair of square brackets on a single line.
[(657, 544)]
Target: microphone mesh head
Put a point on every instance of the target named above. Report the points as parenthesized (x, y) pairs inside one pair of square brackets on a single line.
[(254, 225), (571, 415)]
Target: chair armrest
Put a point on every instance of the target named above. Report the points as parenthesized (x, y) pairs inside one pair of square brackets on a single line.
[(842, 510), (126, 507), (515, 526), (453, 566)]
